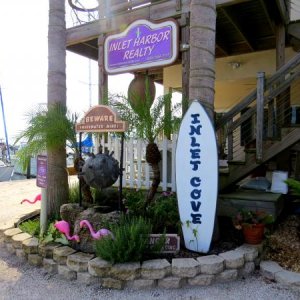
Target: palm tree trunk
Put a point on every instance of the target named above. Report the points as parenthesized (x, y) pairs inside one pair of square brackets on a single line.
[(57, 191), (202, 52), (155, 183)]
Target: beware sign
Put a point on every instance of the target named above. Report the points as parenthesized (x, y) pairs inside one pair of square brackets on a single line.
[(101, 118)]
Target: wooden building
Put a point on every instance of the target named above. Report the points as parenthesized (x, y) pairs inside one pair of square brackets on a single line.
[(257, 87)]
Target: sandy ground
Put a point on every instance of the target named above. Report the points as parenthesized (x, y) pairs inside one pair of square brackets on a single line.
[(18, 280)]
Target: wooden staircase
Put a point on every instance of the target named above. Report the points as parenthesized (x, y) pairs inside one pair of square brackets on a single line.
[(258, 129)]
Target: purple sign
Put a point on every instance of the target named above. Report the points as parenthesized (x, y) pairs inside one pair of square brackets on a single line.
[(41, 176), (142, 45)]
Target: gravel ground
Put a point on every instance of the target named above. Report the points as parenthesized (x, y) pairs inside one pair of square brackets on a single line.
[(18, 280)]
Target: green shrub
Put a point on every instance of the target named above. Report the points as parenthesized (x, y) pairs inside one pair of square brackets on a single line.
[(53, 235), (31, 227), (130, 242), (74, 192), (294, 185), (135, 202), (164, 213)]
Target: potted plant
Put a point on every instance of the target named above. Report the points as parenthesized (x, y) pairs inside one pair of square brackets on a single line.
[(252, 223)]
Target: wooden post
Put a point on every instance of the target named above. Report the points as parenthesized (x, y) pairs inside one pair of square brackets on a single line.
[(185, 37), (283, 99), (103, 78), (230, 140), (259, 114)]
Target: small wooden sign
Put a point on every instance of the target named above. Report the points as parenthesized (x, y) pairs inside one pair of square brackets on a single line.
[(172, 242), (101, 118), (41, 176)]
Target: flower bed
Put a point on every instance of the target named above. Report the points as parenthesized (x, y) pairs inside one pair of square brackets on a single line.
[(88, 269)]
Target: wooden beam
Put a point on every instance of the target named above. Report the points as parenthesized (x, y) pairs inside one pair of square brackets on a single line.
[(283, 10), (157, 11), (265, 10), (222, 47), (230, 15)]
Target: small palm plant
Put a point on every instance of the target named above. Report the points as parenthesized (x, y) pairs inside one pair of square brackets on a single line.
[(147, 121), (47, 129)]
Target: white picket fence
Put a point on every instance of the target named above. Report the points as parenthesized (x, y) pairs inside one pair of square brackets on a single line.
[(137, 172)]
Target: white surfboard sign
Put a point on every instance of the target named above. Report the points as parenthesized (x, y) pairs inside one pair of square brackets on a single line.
[(197, 178)]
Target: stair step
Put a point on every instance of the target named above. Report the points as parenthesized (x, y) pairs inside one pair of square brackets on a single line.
[(236, 162), (250, 150)]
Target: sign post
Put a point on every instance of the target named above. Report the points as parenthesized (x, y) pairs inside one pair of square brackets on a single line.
[(102, 119), (41, 181)]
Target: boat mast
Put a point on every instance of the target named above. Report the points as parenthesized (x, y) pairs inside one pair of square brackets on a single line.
[(4, 123)]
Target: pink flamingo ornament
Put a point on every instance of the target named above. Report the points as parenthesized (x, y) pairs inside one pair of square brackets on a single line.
[(37, 198), (95, 235), (64, 227)]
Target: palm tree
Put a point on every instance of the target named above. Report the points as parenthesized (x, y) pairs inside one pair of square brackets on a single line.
[(57, 191), (146, 121), (202, 52)]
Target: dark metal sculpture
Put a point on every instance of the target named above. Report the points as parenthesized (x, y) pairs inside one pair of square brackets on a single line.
[(101, 170)]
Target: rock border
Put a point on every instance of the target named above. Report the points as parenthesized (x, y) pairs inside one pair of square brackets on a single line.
[(70, 264)]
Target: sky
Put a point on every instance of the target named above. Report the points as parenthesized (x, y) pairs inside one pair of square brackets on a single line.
[(23, 66)]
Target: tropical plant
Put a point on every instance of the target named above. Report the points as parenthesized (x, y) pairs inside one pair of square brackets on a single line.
[(46, 129), (130, 241), (31, 227), (294, 185), (57, 177), (164, 213), (147, 120), (202, 52), (251, 217)]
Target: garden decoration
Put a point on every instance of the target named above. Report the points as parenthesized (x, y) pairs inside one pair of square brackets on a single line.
[(37, 198), (197, 177), (102, 170), (64, 227), (252, 223), (95, 235)]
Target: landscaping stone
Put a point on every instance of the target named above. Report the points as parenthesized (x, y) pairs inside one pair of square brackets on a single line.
[(9, 233), (46, 250), (66, 273), (31, 246), (18, 239), (4, 227), (211, 264), (99, 267), (87, 279), (250, 252), (50, 266), (288, 278), (61, 254), (155, 269), (268, 269), (141, 284), (126, 271), (79, 261), (247, 269), (20, 253), (201, 280), (112, 283), (227, 275), (35, 259), (233, 259), (185, 267), (171, 282), (10, 248)]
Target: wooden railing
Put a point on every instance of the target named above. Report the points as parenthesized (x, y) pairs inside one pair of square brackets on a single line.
[(266, 110)]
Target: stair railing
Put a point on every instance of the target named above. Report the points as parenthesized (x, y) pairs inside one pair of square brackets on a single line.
[(257, 117)]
